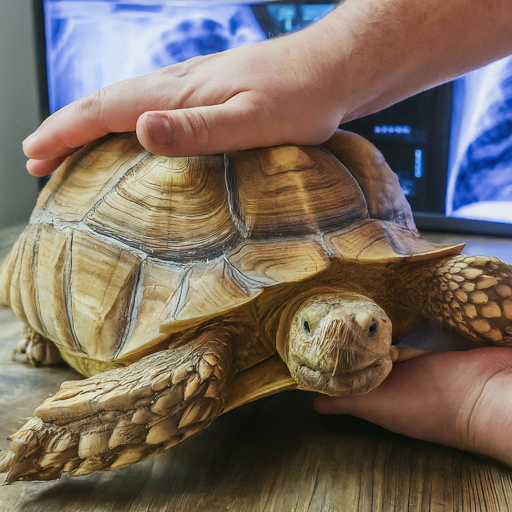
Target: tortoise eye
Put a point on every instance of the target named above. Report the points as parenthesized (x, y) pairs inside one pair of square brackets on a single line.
[(374, 327), (306, 326)]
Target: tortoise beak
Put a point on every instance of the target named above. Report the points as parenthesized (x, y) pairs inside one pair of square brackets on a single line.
[(348, 383)]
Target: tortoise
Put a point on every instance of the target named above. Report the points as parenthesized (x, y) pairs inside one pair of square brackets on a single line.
[(185, 287)]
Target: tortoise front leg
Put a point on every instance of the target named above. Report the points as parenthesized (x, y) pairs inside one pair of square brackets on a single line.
[(125, 415), (473, 295), (39, 350)]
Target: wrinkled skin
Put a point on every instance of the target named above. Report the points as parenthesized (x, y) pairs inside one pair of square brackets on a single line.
[(339, 344)]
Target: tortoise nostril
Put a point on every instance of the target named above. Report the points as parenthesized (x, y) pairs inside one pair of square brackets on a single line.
[(306, 326), (374, 327)]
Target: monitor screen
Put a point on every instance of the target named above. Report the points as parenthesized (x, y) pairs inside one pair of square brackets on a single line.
[(480, 164), (451, 147)]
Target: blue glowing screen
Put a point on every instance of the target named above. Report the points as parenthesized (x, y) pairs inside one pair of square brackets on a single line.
[(92, 44), (480, 168)]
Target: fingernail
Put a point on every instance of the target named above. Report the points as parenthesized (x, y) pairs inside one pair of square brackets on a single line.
[(159, 129)]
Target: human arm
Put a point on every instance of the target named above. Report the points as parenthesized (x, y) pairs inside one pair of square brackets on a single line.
[(364, 56)]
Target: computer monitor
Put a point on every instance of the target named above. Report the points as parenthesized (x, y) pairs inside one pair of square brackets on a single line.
[(451, 146)]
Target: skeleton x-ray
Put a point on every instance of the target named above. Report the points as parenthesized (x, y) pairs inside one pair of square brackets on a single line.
[(480, 181), (92, 44)]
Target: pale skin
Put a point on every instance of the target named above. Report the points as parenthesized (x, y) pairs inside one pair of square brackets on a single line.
[(364, 56)]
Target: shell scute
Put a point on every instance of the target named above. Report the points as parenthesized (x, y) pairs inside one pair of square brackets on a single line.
[(278, 262), (22, 296), (7, 271), (292, 191), (52, 277), (101, 293), (377, 241), (158, 283), (84, 178), (171, 208), (209, 289)]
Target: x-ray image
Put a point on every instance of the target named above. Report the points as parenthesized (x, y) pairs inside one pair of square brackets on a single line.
[(480, 181), (92, 44), (204, 33)]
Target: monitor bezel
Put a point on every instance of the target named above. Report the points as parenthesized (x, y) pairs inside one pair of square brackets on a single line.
[(42, 70)]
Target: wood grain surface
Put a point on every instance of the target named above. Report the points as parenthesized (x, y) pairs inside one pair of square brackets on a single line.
[(272, 455)]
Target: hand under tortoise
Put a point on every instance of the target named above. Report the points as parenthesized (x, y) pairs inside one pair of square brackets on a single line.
[(185, 287)]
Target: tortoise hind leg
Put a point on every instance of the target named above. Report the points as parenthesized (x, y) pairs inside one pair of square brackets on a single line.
[(39, 350), (473, 295), (119, 417)]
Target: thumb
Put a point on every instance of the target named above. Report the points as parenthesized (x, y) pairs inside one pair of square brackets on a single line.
[(201, 130), (409, 388), (421, 397)]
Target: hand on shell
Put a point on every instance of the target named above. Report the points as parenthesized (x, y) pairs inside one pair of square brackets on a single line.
[(362, 57), (254, 96), (459, 399)]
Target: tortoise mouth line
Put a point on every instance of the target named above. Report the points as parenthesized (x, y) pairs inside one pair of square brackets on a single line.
[(342, 383), (304, 368)]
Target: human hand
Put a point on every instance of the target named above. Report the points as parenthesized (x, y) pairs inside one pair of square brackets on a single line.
[(459, 399), (266, 94)]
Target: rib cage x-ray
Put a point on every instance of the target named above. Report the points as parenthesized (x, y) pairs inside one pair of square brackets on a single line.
[(480, 183), (92, 44)]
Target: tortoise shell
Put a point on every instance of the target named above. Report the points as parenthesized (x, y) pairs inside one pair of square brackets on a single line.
[(134, 246)]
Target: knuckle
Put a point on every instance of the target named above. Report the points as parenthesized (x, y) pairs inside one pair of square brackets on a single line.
[(196, 126), (180, 69), (255, 108), (91, 106), (58, 131)]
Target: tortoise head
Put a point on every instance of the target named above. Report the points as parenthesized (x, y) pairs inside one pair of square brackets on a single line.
[(337, 343)]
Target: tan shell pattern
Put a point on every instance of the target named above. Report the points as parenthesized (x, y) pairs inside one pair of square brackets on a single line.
[(122, 241)]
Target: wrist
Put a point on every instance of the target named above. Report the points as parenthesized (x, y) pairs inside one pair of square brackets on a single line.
[(349, 53), (489, 421), (378, 52)]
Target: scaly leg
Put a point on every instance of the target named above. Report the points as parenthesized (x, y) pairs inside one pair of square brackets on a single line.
[(473, 295), (119, 417), (38, 350)]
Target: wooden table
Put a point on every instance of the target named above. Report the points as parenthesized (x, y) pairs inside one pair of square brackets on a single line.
[(273, 455)]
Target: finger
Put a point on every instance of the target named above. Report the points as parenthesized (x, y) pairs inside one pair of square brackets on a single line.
[(333, 405), (207, 130), (113, 109), (43, 167)]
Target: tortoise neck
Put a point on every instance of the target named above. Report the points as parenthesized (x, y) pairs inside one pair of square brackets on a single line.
[(404, 293)]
